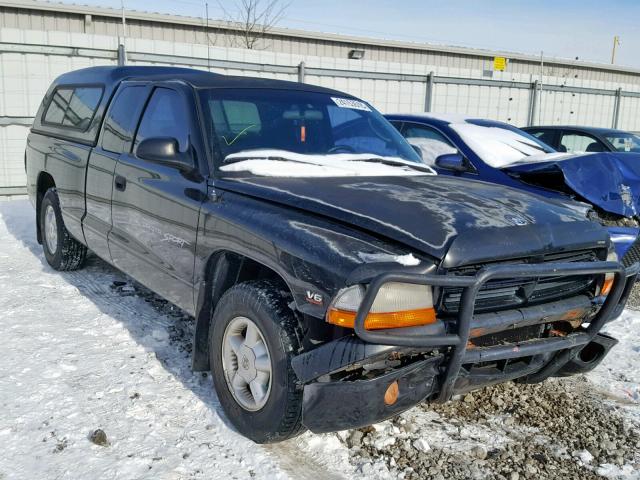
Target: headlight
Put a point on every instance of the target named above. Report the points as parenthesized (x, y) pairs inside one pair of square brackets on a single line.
[(396, 305), (609, 277)]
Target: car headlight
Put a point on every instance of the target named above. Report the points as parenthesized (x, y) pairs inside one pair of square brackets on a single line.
[(609, 277), (396, 305)]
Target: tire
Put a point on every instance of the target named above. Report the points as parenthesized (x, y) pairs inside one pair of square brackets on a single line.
[(62, 251), (279, 416)]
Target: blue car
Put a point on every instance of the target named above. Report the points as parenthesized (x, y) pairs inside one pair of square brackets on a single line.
[(586, 139), (497, 152)]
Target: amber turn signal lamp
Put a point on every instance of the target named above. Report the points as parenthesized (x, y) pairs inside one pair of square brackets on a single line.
[(391, 395), (606, 286), (377, 321), (396, 305), (609, 278)]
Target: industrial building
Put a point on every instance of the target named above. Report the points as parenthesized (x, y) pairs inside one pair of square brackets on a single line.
[(40, 40)]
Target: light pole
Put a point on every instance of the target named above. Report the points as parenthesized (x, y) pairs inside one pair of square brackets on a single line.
[(122, 49), (541, 82), (206, 10), (616, 43)]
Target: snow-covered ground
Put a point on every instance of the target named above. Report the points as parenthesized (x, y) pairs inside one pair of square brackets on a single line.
[(89, 350)]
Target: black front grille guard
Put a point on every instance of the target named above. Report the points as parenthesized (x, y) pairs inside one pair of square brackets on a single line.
[(567, 347)]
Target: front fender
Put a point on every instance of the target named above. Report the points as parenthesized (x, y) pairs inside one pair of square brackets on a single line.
[(314, 256)]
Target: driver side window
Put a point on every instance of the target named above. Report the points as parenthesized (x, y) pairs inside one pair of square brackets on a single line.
[(165, 116), (431, 143)]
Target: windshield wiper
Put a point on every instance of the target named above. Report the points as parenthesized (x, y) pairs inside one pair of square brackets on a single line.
[(392, 163), (530, 145), (229, 161)]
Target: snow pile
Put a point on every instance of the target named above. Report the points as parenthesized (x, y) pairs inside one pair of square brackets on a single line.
[(281, 163)]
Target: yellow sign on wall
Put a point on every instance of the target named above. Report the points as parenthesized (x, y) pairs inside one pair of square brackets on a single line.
[(499, 64)]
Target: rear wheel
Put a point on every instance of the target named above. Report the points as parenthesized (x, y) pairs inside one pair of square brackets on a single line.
[(253, 337), (62, 251)]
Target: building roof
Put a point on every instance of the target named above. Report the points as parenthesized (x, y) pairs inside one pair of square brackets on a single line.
[(304, 34)]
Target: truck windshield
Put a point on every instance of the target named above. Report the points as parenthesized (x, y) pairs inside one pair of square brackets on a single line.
[(308, 129)]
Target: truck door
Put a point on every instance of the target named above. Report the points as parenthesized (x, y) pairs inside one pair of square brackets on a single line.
[(156, 203), (116, 138)]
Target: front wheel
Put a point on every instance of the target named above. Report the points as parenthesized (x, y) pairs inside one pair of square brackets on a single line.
[(62, 251), (253, 337)]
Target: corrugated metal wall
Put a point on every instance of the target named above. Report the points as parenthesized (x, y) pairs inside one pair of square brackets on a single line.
[(577, 108), (191, 30), (394, 80), (505, 104)]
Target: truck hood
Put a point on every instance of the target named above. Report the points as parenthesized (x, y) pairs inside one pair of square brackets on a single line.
[(423, 212), (608, 180)]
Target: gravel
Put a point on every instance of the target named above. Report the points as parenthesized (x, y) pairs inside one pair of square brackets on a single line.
[(557, 429), (99, 437), (634, 298)]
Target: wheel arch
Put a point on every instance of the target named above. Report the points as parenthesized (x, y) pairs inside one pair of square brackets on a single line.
[(223, 270)]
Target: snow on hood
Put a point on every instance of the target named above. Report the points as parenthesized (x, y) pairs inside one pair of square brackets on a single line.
[(501, 147), (407, 260), (282, 163)]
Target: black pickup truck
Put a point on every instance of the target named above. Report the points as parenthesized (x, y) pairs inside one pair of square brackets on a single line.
[(335, 279)]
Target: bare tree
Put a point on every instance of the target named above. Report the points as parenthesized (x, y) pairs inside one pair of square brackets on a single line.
[(255, 19)]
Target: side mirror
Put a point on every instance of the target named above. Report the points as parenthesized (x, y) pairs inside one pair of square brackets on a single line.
[(452, 161), (163, 150)]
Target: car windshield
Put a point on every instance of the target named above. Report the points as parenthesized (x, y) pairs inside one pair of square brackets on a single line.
[(500, 145), (298, 133), (624, 142)]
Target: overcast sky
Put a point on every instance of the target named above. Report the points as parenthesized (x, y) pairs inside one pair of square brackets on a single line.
[(563, 28)]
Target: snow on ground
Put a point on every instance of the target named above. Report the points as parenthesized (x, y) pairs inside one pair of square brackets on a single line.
[(79, 353), (91, 350), (619, 374)]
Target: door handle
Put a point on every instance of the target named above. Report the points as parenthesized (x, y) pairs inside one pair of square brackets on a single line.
[(120, 183)]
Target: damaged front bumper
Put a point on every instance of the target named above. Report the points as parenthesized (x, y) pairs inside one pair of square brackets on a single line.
[(436, 366)]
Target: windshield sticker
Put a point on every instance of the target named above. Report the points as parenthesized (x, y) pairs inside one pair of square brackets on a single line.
[(350, 103), (240, 134)]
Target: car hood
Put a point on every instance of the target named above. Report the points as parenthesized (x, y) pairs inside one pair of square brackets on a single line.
[(608, 180), (424, 212)]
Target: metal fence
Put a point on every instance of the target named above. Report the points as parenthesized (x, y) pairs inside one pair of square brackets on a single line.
[(517, 102)]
